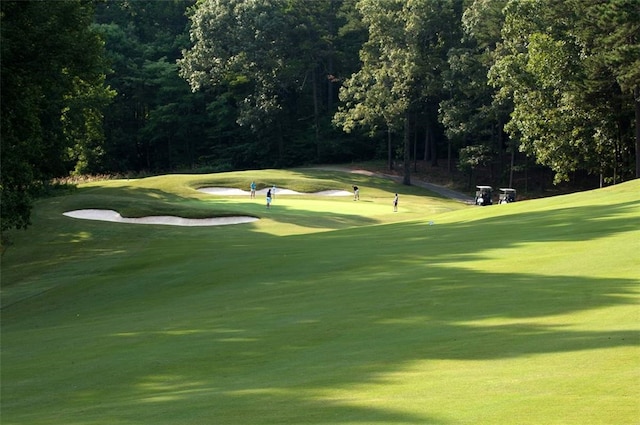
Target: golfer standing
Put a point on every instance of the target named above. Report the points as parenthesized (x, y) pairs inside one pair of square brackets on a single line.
[(253, 190), (269, 198), (395, 203), (356, 193)]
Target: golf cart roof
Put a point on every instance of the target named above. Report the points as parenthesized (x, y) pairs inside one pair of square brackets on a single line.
[(507, 189), (485, 187)]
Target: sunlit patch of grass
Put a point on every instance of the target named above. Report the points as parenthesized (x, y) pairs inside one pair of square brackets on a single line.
[(324, 311)]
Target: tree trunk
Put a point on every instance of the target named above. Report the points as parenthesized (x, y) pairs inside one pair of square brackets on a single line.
[(434, 148), (280, 143), (430, 148), (415, 148), (407, 151), (449, 158), (169, 149), (501, 135), (389, 158), (316, 113), (426, 143), (513, 158)]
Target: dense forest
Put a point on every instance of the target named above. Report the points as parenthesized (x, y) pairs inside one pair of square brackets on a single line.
[(117, 87)]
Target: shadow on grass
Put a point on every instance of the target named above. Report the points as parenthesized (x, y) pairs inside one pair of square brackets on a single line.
[(352, 321), (285, 364), (470, 238), (295, 335)]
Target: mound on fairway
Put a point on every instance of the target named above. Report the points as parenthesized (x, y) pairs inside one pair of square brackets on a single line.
[(324, 311)]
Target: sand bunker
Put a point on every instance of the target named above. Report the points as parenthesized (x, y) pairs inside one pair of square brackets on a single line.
[(226, 191), (114, 216)]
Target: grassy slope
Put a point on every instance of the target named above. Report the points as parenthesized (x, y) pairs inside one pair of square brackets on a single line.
[(326, 311)]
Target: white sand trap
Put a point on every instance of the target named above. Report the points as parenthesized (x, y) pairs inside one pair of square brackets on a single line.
[(114, 216), (226, 191), (334, 193), (223, 191)]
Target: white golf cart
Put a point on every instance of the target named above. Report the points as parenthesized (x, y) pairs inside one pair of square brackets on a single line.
[(507, 195), (483, 195)]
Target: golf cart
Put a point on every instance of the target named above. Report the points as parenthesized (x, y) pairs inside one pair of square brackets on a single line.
[(507, 195), (483, 195)]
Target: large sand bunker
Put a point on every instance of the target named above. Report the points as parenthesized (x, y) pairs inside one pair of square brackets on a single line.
[(114, 216)]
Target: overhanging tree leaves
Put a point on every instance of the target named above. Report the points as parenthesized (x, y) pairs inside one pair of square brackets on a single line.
[(470, 115), (155, 119), (613, 29), (52, 96), (570, 110), (402, 65), (244, 43)]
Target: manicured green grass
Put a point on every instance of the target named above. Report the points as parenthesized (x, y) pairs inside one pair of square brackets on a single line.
[(326, 310)]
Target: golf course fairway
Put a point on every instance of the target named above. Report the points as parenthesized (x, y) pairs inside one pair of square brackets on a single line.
[(324, 310)]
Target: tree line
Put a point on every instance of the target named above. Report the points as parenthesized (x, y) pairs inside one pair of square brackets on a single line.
[(214, 85)]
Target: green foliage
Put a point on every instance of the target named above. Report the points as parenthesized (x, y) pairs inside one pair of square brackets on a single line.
[(402, 63), (472, 157), (53, 93), (469, 114), (155, 119), (570, 111), (267, 57)]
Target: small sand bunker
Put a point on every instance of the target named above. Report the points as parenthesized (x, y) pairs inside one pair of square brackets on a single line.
[(114, 216), (226, 191)]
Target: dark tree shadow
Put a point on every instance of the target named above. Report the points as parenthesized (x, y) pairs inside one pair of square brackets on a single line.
[(369, 313)]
